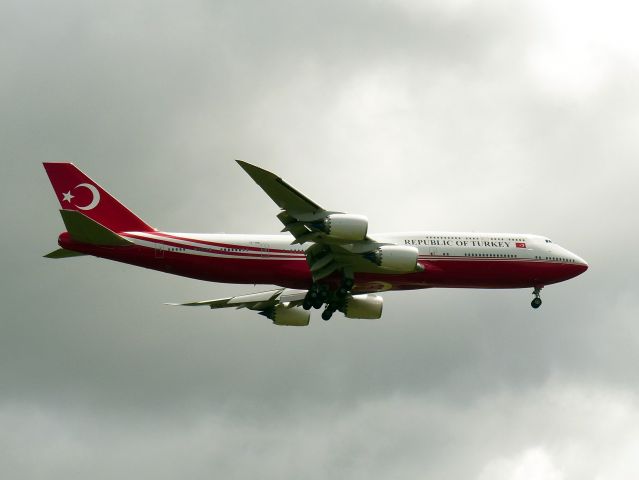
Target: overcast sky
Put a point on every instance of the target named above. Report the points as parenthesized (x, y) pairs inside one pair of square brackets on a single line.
[(515, 116)]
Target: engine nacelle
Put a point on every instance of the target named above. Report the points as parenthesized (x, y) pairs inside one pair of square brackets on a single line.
[(345, 226), (364, 306), (398, 258), (283, 314)]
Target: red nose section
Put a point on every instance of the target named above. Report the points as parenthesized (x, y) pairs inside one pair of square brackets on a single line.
[(571, 270)]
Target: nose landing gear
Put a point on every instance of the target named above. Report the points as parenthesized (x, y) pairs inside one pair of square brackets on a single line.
[(536, 302)]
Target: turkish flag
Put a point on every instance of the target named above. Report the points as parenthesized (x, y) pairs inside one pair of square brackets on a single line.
[(520, 245)]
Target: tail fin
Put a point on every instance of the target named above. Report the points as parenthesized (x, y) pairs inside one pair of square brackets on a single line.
[(76, 191)]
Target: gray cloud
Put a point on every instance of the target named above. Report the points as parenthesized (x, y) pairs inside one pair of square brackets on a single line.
[(503, 435)]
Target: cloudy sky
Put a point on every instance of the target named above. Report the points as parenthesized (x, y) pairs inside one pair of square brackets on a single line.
[(516, 116)]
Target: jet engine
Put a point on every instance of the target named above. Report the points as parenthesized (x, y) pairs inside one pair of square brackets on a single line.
[(364, 306), (398, 258), (344, 226), (283, 314)]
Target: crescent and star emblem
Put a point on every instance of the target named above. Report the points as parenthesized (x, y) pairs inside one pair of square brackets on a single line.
[(66, 197)]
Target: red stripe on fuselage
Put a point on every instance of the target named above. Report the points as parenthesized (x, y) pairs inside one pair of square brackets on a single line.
[(232, 249), (225, 245)]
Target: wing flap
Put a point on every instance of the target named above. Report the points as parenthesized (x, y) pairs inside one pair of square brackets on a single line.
[(254, 297)]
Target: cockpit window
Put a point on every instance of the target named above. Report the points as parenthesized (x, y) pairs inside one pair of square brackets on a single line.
[(548, 241)]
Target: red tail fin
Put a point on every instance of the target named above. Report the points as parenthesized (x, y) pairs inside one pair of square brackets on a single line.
[(76, 191)]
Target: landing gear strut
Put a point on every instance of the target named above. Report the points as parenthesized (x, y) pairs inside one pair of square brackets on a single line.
[(536, 302), (320, 294), (340, 296), (328, 312), (345, 288)]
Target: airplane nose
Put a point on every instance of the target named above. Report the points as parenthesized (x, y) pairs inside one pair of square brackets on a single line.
[(581, 263)]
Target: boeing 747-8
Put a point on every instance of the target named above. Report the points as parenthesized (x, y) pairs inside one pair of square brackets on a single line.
[(322, 258)]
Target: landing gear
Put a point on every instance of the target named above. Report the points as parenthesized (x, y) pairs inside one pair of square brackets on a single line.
[(320, 294), (345, 288), (310, 298), (536, 302), (316, 296), (328, 313)]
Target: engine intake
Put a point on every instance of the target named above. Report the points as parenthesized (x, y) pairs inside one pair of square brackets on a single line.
[(283, 314), (344, 226), (364, 306), (398, 258)]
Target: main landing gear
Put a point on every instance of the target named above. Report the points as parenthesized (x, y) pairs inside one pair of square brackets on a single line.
[(316, 296), (320, 294), (329, 311), (536, 302)]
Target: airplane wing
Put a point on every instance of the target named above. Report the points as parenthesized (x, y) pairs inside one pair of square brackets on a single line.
[(338, 241), (282, 306), (278, 305), (253, 301)]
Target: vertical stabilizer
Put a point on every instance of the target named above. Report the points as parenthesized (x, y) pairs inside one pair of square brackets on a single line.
[(76, 191)]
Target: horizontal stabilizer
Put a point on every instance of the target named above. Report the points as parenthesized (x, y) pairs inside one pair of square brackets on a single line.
[(63, 253), (85, 230)]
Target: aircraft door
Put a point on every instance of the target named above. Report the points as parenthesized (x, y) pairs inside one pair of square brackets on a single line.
[(261, 246)]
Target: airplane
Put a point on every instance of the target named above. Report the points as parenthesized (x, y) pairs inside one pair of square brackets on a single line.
[(321, 258)]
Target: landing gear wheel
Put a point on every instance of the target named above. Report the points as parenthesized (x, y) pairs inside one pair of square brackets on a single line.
[(314, 297), (536, 303), (327, 314)]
